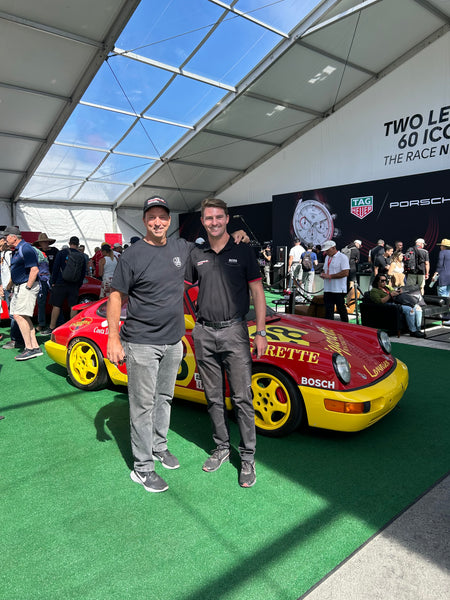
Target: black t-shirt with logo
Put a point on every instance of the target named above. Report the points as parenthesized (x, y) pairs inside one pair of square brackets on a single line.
[(223, 280), (153, 279)]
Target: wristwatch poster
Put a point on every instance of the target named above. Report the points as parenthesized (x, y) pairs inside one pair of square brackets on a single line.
[(313, 222)]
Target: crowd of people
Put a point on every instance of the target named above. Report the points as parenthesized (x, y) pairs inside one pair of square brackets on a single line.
[(391, 267), (39, 274)]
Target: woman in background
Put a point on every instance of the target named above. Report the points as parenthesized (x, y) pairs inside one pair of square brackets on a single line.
[(396, 270)]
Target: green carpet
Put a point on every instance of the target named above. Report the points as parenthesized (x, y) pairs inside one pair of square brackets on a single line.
[(75, 526)]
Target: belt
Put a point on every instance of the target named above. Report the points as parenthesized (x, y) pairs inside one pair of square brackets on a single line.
[(220, 324)]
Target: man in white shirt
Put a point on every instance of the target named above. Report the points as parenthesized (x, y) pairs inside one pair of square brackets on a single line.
[(295, 264), (335, 272)]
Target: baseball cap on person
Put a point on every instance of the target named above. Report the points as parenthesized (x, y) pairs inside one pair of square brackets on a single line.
[(117, 245), (11, 230), (358, 242), (420, 241), (134, 239), (327, 245), (155, 201)]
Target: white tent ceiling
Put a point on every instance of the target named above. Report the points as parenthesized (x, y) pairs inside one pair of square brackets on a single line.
[(145, 130)]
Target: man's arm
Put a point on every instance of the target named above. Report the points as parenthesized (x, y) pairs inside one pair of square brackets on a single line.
[(259, 301), (114, 349), (32, 276)]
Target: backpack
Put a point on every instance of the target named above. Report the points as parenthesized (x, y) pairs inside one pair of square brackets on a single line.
[(306, 261), (410, 260), (73, 269), (44, 269), (347, 252)]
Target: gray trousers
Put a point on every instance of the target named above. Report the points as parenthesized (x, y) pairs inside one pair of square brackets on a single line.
[(152, 373), (220, 351)]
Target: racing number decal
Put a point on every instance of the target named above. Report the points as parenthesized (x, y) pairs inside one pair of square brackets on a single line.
[(187, 367), (277, 333)]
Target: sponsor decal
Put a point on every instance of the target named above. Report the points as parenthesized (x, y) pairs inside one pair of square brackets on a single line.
[(198, 382), (176, 261), (232, 260), (292, 354), (277, 333), (320, 383), (335, 342), (101, 330), (362, 206), (378, 369), (80, 324)]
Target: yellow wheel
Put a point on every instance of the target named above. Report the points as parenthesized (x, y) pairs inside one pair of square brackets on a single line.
[(85, 365), (277, 401)]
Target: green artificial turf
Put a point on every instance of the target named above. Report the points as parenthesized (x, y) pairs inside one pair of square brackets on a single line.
[(75, 526)]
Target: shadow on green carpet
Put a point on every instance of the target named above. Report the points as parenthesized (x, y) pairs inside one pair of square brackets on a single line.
[(75, 526)]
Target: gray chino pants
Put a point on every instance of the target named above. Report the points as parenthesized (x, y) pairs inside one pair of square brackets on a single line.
[(227, 350), (152, 373)]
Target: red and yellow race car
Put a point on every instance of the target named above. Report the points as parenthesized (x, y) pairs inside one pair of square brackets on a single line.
[(328, 374)]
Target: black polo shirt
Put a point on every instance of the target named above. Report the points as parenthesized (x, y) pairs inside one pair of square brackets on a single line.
[(223, 280)]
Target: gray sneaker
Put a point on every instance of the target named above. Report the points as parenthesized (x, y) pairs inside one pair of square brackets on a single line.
[(37, 351), (247, 476), (26, 354), (219, 456), (167, 459), (11, 344), (151, 481)]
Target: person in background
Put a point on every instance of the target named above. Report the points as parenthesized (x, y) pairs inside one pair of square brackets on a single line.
[(443, 271), (95, 259), (383, 260), (117, 249), (16, 340), (422, 271), (106, 267), (308, 275), (294, 263), (24, 276), (381, 293), (396, 270), (61, 289), (378, 249), (43, 243), (335, 272), (267, 257)]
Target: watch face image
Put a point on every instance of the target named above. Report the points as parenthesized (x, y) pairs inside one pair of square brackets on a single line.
[(313, 223)]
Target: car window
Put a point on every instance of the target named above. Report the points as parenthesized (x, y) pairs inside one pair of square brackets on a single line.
[(101, 311)]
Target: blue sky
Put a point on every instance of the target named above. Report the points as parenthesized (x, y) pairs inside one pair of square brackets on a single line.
[(168, 31)]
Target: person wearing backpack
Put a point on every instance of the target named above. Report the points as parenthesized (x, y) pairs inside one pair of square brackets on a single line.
[(421, 271), (25, 289), (309, 261), (69, 270)]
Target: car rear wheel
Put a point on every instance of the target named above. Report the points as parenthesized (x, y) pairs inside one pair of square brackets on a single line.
[(85, 365), (277, 401)]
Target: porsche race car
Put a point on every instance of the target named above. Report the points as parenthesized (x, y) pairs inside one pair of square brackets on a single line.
[(327, 374)]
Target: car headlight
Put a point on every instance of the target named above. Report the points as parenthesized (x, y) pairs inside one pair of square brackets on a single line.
[(341, 368), (385, 342)]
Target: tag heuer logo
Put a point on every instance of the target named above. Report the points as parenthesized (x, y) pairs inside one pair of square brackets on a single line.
[(361, 207)]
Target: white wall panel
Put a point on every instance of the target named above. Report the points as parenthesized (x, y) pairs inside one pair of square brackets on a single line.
[(350, 146)]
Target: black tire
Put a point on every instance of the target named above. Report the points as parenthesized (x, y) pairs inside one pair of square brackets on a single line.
[(277, 401), (85, 365)]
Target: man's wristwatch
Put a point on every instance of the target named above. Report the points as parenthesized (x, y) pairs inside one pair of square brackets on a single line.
[(27, 288), (262, 333)]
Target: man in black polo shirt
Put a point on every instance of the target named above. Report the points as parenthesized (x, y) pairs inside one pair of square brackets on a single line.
[(225, 272)]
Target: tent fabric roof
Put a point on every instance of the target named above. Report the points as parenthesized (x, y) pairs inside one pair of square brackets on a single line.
[(184, 98)]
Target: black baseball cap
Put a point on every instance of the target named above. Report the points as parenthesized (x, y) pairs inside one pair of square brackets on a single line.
[(155, 201)]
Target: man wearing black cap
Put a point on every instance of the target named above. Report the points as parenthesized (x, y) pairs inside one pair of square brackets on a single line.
[(150, 274), (24, 273)]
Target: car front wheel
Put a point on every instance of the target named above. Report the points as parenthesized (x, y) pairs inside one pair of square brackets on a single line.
[(277, 401), (85, 365)]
